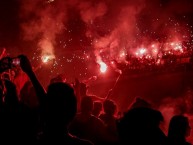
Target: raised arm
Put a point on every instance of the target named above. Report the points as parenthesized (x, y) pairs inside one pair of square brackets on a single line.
[(26, 67)]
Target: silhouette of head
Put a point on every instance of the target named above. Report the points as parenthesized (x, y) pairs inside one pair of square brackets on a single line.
[(109, 107), (59, 78), (139, 102), (61, 104), (138, 125), (179, 127), (86, 104)]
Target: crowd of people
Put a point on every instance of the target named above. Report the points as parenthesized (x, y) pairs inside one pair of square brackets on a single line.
[(163, 61), (65, 114)]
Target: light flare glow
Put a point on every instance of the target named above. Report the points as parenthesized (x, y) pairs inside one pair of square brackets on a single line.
[(103, 67), (46, 58)]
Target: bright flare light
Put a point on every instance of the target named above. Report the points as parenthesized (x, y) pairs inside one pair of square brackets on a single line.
[(50, 1), (178, 46), (122, 54), (142, 51), (47, 58), (103, 67)]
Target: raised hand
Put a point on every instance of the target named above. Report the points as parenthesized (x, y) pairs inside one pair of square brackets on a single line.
[(25, 64)]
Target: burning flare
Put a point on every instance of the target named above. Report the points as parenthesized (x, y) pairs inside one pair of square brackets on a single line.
[(103, 67), (46, 58)]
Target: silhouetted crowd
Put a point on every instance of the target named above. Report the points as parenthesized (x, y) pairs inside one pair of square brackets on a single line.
[(65, 114)]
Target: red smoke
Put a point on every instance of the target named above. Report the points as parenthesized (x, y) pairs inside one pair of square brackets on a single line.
[(110, 30)]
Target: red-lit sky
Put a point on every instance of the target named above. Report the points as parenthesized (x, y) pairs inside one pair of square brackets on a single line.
[(79, 33)]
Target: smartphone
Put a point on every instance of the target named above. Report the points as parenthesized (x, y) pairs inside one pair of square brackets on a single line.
[(15, 61)]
